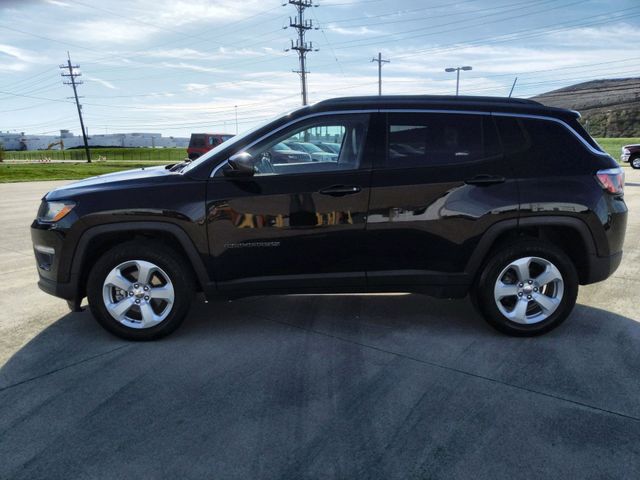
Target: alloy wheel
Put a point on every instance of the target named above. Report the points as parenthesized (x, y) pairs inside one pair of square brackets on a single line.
[(529, 290), (138, 294)]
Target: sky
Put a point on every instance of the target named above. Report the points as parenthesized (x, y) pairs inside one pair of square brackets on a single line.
[(182, 66)]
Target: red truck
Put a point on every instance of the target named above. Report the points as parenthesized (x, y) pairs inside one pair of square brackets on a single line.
[(631, 154), (203, 142)]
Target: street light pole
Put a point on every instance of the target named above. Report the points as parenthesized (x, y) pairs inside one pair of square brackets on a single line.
[(457, 70)]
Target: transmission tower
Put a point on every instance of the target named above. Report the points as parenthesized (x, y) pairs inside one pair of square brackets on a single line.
[(300, 45), (72, 75)]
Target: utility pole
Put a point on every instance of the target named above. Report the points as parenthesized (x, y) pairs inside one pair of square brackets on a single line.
[(300, 45), (380, 62), (236, 107), (72, 81)]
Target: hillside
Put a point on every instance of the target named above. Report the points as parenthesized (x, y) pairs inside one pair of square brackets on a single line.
[(609, 108)]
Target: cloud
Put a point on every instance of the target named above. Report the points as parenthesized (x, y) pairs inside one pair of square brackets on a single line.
[(108, 31), (102, 82), (191, 66), (58, 3), (18, 53), (354, 31)]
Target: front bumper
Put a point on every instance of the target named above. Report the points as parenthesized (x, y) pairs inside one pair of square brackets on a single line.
[(68, 291), (51, 261), (624, 157)]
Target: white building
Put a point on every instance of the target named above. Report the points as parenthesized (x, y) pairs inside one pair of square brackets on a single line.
[(20, 141)]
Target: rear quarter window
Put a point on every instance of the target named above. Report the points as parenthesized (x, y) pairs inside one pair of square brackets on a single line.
[(541, 147), (197, 141)]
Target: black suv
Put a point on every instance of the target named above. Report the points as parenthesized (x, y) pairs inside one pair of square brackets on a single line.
[(504, 199)]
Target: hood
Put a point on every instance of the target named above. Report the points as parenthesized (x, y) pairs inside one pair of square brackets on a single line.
[(142, 176)]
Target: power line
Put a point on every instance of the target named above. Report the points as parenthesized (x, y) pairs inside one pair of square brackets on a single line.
[(72, 75), (456, 25), (333, 52)]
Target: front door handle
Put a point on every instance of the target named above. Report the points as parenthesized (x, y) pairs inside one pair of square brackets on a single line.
[(340, 190), (484, 180)]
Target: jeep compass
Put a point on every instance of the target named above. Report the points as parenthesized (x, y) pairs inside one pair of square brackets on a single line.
[(502, 199)]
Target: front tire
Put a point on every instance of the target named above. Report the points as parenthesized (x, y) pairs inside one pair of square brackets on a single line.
[(527, 289), (635, 162), (140, 291)]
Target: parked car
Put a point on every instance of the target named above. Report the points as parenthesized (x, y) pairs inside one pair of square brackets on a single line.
[(281, 153), (317, 154), (631, 154), (328, 146), (504, 199), (201, 143)]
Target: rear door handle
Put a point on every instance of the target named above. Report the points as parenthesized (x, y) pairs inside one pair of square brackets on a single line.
[(340, 190), (483, 180)]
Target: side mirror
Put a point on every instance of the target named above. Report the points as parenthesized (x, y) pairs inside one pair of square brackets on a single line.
[(242, 165)]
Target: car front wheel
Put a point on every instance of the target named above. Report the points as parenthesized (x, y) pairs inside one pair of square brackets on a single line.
[(635, 162), (527, 289), (140, 291)]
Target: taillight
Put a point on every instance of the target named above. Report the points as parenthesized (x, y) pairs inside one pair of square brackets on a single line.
[(612, 180)]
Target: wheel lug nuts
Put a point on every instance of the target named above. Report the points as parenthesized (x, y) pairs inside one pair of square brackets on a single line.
[(535, 289), (530, 282), (146, 289), (519, 294), (137, 300), (136, 285), (521, 285), (146, 297), (529, 297)]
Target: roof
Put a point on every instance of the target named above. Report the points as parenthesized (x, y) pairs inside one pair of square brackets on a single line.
[(462, 102), (454, 99)]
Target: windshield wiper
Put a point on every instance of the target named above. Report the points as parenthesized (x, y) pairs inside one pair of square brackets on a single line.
[(179, 166)]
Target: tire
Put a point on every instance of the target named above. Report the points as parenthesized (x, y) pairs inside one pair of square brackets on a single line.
[(635, 162), (514, 297), (146, 310)]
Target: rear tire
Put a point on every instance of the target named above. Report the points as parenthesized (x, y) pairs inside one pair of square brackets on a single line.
[(526, 289), (140, 291)]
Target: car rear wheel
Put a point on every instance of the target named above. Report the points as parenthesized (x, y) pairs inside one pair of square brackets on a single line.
[(527, 289), (140, 291), (635, 162)]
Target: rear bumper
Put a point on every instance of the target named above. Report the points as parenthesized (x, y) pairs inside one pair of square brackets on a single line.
[(601, 268)]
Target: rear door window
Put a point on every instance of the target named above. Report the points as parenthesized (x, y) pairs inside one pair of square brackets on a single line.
[(428, 139)]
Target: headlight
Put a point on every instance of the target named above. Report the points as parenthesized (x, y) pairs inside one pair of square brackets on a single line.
[(54, 211), (626, 151)]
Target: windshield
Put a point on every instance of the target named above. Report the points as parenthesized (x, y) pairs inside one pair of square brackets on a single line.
[(224, 145)]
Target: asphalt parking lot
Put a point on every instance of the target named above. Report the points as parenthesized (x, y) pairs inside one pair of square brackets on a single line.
[(333, 386)]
